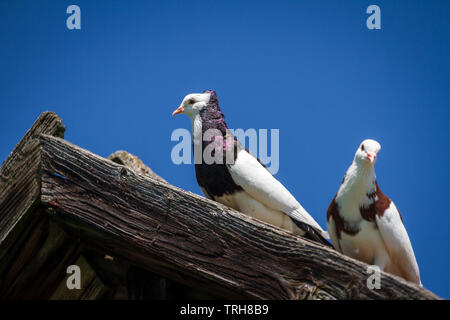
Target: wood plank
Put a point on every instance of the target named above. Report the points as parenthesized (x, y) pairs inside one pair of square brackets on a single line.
[(96, 290), (193, 240), (27, 251), (19, 181), (41, 263)]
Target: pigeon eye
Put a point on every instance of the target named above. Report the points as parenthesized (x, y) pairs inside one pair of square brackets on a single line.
[(191, 101), (362, 147)]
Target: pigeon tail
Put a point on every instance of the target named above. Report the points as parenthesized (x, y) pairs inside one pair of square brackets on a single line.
[(313, 234)]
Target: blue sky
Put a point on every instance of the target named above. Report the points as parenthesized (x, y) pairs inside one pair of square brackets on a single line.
[(308, 68)]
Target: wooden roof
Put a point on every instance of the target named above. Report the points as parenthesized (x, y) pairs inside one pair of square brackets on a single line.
[(136, 236)]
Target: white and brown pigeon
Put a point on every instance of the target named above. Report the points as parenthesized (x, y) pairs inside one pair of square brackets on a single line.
[(243, 183), (365, 224)]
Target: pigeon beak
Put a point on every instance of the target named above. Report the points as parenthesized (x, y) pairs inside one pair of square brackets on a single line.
[(180, 109), (371, 156)]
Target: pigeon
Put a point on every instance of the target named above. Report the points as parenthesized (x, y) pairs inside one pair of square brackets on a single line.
[(365, 224), (240, 180)]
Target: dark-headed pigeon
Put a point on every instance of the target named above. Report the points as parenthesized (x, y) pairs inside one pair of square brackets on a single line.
[(241, 181), (365, 224)]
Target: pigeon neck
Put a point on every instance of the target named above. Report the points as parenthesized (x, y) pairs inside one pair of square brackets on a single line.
[(209, 118), (359, 182), (196, 129), (213, 118)]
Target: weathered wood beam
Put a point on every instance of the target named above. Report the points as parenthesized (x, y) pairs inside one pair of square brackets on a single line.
[(193, 240), (20, 187), (141, 284), (134, 163)]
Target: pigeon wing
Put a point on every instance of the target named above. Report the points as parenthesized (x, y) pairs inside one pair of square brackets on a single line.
[(397, 242), (258, 182), (333, 212)]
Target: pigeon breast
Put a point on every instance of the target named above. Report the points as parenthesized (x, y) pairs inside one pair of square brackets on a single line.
[(215, 179)]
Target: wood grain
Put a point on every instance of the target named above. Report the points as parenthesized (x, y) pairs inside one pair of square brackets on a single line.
[(19, 184), (192, 240), (20, 228)]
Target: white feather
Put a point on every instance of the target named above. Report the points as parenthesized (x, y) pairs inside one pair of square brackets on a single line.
[(397, 243), (259, 183)]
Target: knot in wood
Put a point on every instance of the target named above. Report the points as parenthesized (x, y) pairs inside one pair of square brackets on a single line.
[(123, 172)]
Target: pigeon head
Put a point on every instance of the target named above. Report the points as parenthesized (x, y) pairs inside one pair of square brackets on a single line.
[(195, 103), (367, 152)]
